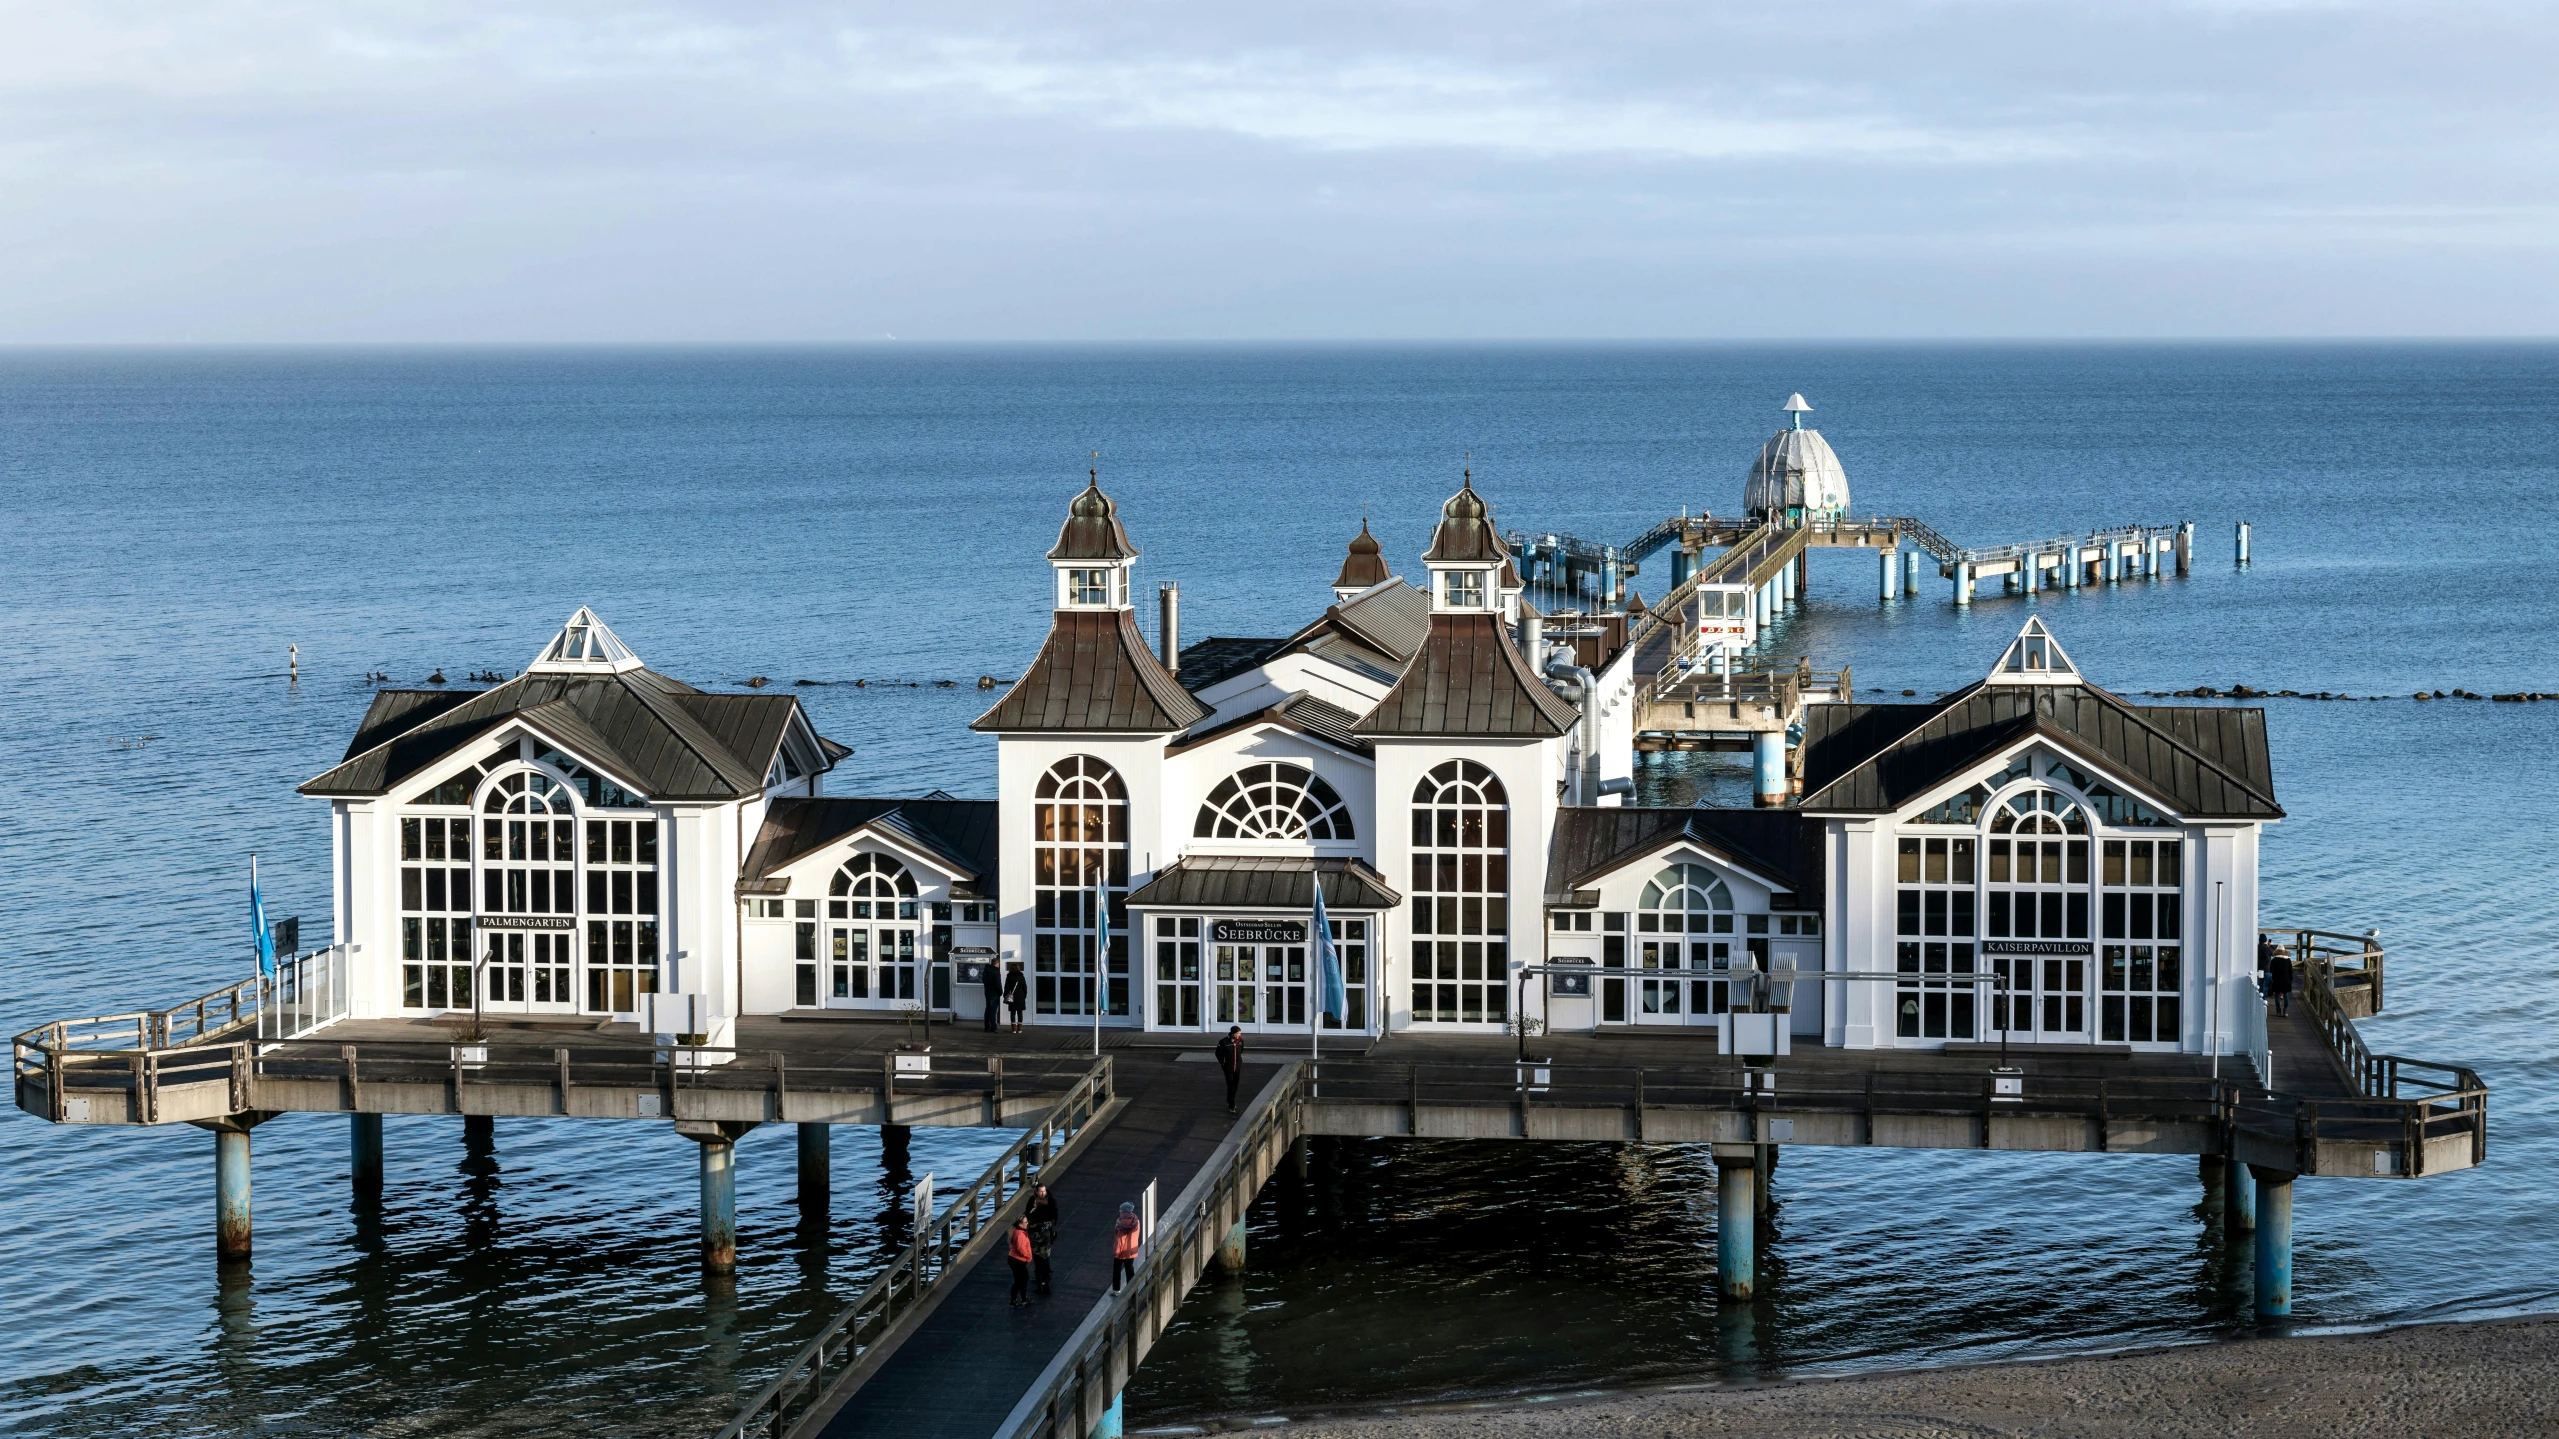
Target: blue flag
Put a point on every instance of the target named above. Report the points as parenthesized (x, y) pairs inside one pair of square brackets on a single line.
[(265, 940), (1328, 961)]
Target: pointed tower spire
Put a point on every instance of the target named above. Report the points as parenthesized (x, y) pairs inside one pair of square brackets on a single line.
[(1363, 566)]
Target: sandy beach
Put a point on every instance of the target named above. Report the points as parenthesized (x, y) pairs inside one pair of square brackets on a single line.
[(2444, 1381)]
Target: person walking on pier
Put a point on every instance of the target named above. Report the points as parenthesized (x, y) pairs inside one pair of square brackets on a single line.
[(993, 979), (1124, 1238), (1017, 994), (1230, 1058), (2276, 962), (1042, 1217), (1017, 1253)]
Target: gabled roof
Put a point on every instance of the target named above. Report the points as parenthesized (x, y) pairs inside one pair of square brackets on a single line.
[(659, 736), (1468, 680), (1392, 618), (2205, 763), (1307, 715), (1094, 673), (1219, 657), (959, 832), (1217, 881), (1776, 844)]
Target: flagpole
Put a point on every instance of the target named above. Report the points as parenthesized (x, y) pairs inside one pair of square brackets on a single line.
[(1314, 963)]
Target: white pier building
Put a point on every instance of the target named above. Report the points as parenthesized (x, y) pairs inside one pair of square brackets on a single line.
[(2030, 859)]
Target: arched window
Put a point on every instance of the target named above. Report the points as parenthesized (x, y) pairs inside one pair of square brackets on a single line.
[(1273, 801), (1461, 896), (1684, 922), (873, 885), (1079, 857)]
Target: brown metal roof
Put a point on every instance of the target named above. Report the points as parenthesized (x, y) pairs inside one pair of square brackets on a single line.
[(1093, 530), (1469, 680), (658, 735), (1591, 842), (1465, 531), (2205, 763), (1221, 657), (1095, 673), (960, 831), (1217, 881), (1365, 565)]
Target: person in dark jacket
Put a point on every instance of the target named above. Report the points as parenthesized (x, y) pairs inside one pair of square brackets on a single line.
[(2279, 976), (994, 982), (1042, 1217), (1017, 1253), (1017, 994), (1230, 1059), (1124, 1241)]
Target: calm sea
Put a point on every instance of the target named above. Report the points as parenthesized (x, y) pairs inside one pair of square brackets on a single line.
[(174, 521)]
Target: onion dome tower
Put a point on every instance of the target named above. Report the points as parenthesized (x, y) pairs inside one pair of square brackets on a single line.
[(1796, 477), (1362, 568), (1469, 564), (1468, 680)]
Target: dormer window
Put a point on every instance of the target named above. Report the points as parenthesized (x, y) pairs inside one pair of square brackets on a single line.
[(1464, 589)]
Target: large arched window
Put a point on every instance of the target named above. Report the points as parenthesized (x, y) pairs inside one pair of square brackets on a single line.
[(1461, 896), (528, 854), (1685, 922), (1273, 801), (1079, 857), (870, 911)]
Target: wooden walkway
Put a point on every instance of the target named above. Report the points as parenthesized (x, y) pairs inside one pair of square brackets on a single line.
[(959, 1372)]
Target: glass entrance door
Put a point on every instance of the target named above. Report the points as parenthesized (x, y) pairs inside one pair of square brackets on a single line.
[(1683, 982), (530, 973), (1261, 986), (2046, 1000), (870, 967)]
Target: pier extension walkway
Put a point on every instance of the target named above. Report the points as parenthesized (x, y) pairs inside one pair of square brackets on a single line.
[(959, 1372)]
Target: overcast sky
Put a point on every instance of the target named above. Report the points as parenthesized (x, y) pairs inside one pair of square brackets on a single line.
[(1134, 170)]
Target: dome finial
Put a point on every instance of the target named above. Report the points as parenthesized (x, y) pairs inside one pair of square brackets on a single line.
[(1796, 409)]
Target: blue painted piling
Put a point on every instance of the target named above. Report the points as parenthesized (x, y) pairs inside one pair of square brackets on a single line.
[(1891, 580), (1109, 1427), (1768, 768), (2241, 1216), (2274, 1242), (1963, 583), (1736, 1195), (817, 1168), (719, 1204), (231, 1193)]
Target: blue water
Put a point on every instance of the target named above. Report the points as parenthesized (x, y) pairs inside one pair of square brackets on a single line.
[(175, 520)]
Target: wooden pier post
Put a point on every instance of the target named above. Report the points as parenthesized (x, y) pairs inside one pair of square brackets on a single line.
[(1736, 1189), (817, 1170), (2274, 1242), (364, 1154)]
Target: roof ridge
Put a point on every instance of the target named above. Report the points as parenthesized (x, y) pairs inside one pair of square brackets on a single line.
[(689, 731), (453, 715)]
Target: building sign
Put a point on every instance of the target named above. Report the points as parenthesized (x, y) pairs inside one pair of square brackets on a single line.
[(2078, 947), (525, 921), (1257, 931), (1568, 986)]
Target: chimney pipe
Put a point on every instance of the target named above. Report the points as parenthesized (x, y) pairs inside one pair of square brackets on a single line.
[(1168, 626), (1533, 638)]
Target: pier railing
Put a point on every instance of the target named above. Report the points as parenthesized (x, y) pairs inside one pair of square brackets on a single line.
[(1071, 1396), (224, 1011), (2339, 979), (66, 1074), (942, 1248)]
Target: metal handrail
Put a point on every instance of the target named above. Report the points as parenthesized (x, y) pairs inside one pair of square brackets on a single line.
[(988, 1206), (1069, 1397)]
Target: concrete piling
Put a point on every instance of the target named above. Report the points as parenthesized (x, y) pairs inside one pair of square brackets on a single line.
[(2239, 1216), (231, 1192), (1963, 583), (1891, 579), (364, 1153), (2240, 541), (1736, 1188), (1910, 574), (479, 1131), (817, 1169), (2185, 543), (2274, 1242), (1230, 1250), (1109, 1425)]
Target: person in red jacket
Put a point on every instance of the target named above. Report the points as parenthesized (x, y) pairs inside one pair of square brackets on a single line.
[(1124, 1238), (1017, 1252)]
